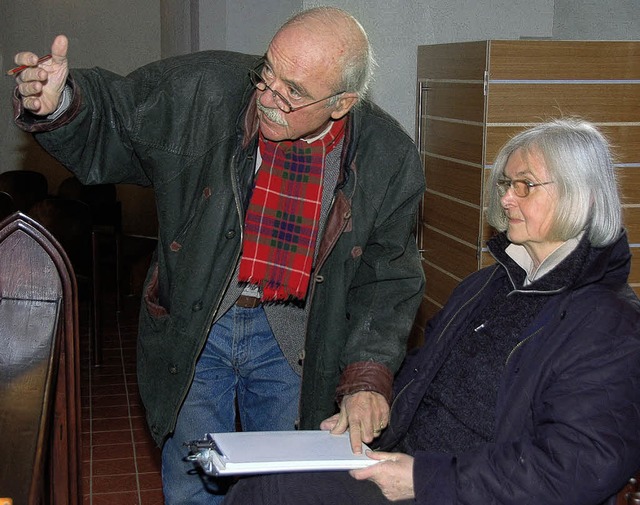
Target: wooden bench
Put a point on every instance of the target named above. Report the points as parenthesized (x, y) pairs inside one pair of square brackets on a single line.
[(39, 367)]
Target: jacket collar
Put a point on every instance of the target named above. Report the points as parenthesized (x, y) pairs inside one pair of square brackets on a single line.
[(585, 265)]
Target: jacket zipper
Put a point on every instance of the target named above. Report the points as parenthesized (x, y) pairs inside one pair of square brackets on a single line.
[(519, 344), (393, 403), (522, 342), (454, 316)]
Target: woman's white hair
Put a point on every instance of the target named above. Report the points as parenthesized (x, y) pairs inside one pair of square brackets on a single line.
[(579, 161)]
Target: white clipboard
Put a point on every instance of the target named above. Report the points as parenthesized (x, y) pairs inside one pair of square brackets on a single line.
[(259, 452)]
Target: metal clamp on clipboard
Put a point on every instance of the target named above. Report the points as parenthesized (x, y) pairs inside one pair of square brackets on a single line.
[(206, 453)]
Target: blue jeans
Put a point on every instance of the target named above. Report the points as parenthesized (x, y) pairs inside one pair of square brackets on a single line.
[(241, 362)]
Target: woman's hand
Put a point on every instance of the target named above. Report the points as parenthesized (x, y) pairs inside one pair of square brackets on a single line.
[(393, 475)]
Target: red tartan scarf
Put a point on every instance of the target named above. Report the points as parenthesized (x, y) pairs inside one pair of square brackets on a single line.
[(281, 224)]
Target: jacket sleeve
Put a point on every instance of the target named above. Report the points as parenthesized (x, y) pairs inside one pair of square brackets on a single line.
[(573, 441), (387, 288), (151, 126), (93, 137)]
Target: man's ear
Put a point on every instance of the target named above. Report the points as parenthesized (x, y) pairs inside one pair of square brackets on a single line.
[(344, 105)]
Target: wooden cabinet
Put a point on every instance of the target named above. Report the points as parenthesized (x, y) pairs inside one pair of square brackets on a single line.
[(472, 96)]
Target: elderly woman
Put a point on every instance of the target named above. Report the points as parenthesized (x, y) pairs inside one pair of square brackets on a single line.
[(527, 390)]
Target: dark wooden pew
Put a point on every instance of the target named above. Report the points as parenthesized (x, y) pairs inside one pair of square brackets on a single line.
[(39, 367)]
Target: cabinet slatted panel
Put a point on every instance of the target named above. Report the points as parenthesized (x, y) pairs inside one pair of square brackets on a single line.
[(472, 97)]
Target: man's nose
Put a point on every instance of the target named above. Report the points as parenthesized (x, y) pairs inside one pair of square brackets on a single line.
[(267, 98)]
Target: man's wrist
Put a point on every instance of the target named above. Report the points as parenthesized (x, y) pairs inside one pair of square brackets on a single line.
[(69, 106), (63, 105), (365, 376)]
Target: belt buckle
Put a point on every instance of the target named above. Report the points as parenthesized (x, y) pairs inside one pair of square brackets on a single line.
[(248, 302)]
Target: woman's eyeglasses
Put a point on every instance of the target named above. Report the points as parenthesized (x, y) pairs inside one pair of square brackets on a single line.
[(521, 187)]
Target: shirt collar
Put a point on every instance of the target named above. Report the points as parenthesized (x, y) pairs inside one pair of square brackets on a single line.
[(319, 136), (520, 255)]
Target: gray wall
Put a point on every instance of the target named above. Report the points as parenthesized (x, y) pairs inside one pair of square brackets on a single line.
[(395, 28), (119, 35), (597, 20), (123, 34)]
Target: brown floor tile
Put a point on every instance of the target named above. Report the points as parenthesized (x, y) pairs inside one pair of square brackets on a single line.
[(121, 463), (136, 410), (114, 467), (112, 361), (142, 435), (105, 377), (110, 412), (130, 367), (139, 423), (153, 497), (148, 464), (149, 481), (112, 424), (115, 451), (147, 449), (114, 483), (119, 388), (109, 401), (104, 372), (130, 498), (113, 369), (101, 438)]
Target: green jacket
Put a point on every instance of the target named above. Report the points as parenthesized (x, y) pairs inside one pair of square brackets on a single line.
[(186, 126)]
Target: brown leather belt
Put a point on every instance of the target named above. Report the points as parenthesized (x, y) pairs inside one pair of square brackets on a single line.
[(248, 302)]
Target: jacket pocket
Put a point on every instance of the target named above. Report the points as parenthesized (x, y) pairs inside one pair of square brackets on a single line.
[(351, 265), (151, 296)]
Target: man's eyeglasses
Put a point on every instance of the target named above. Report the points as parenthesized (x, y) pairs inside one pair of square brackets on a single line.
[(283, 104), (521, 187)]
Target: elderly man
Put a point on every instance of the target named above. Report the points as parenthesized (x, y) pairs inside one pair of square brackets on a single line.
[(286, 204)]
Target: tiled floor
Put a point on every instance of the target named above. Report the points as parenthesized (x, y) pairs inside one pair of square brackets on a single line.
[(121, 464)]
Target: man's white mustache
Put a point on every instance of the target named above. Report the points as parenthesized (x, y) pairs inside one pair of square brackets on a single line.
[(275, 115)]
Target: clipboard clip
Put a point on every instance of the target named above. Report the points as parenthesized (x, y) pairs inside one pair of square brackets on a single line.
[(196, 446), (206, 453)]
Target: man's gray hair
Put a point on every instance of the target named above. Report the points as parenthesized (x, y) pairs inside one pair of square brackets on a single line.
[(579, 161)]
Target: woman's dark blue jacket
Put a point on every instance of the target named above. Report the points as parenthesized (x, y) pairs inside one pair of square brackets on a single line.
[(567, 427)]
